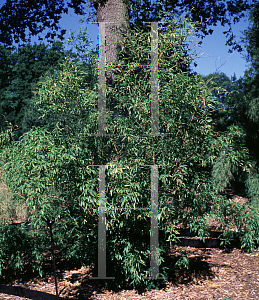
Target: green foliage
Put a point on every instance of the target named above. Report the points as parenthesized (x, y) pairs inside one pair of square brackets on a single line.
[(237, 221), (50, 168), (9, 210), (224, 89), (235, 118), (237, 159), (232, 161), (245, 109), (247, 104), (18, 246), (233, 164), (183, 261), (18, 18), (20, 71), (40, 175), (239, 109), (252, 186), (251, 37)]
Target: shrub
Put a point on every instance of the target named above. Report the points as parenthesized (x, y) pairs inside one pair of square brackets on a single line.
[(53, 168)]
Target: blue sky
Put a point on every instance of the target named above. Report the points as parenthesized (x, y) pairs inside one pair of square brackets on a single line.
[(213, 54)]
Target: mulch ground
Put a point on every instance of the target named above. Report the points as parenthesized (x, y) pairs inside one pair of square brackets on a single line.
[(213, 274)]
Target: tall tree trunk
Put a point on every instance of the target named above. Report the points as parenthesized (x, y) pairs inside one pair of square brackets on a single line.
[(115, 15), (112, 16)]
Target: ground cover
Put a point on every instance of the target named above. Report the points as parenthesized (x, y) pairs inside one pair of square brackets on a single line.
[(214, 274)]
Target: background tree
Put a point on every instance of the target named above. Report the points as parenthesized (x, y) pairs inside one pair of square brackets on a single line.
[(223, 88), (238, 105), (250, 85), (20, 71), (247, 104), (226, 172)]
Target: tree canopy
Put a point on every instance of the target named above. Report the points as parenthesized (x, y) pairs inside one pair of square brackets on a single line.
[(238, 105), (19, 17), (20, 71)]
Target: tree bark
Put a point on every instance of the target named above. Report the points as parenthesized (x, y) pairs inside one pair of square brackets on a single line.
[(115, 15)]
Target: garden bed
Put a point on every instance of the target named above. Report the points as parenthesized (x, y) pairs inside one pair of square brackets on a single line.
[(213, 274)]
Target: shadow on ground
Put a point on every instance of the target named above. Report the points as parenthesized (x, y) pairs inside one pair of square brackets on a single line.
[(75, 283)]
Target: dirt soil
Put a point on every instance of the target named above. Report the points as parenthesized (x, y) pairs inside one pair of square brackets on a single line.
[(214, 273)]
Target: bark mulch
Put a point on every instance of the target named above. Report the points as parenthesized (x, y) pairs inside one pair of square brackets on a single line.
[(213, 274)]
